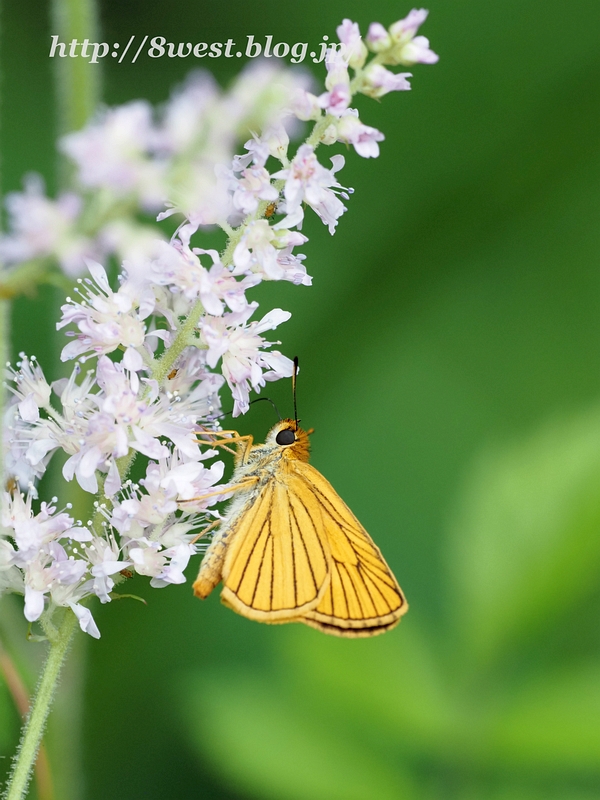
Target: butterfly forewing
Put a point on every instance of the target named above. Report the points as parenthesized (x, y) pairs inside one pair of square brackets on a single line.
[(278, 563), (363, 597)]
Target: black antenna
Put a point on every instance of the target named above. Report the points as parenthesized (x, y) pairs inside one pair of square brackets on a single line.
[(214, 417), (294, 374), (268, 399)]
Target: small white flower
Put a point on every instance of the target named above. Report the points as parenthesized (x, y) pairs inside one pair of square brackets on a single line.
[(257, 153), (355, 51), (306, 180), (148, 560), (32, 390), (337, 99), (407, 48), (378, 38), (41, 227), (112, 152), (305, 106), (253, 185), (172, 571), (378, 81), (86, 621), (266, 252), (364, 138), (106, 319), (405, 29), (276, 138), (104, 556), (239, 344)]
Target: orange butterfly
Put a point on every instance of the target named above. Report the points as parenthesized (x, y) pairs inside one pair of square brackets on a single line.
[(290, 550)]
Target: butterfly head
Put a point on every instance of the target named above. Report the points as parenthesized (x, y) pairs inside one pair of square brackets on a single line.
[(288, 436)]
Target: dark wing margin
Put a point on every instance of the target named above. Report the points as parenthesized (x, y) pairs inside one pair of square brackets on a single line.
[(363, 597)]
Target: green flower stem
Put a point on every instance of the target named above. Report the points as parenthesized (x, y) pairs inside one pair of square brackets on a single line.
[(314, 140), (184, 338), (77, 80), (60, 639)]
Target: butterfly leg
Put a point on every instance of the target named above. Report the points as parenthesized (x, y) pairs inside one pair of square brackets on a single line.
[(245, 484), (204, 531), (244, 442)]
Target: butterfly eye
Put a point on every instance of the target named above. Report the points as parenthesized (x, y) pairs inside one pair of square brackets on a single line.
[(285, 437)]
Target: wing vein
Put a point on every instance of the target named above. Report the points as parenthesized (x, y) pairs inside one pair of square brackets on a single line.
[(262, 527), (262, 561), (304, 506), (338, 564), (289, 521), (310, 566)]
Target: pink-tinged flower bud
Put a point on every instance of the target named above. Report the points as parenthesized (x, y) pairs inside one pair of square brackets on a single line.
[(404, 30), (378, 39), (355, 51), (337, 70), (336, 100), (417, 52), (363, 138), (378, 81), (407, 48), (305, 105)]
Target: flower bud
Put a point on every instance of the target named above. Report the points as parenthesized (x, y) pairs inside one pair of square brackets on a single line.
[(404, 30), (305, 105), (354, 50), (378, 39), (378, 80)]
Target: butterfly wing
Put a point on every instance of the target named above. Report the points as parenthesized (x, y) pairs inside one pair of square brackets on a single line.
[(278, 563), (363, 597)]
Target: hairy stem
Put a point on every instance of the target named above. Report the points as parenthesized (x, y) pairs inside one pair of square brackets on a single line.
[(167, 361), (34, 727)]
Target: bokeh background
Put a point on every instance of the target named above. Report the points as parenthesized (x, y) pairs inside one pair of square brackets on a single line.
[(450, 351)]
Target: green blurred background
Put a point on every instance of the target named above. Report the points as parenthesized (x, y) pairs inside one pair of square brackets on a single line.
[(450, 351)]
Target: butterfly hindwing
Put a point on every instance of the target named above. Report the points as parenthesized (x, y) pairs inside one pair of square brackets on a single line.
[(278, 563), (363, 597)]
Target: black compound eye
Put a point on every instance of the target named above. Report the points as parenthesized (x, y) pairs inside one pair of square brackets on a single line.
[(285, 437)]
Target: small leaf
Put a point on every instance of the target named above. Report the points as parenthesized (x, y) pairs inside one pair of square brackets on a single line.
[(117, 596)]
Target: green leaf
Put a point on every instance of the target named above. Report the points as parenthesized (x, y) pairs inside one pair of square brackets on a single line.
[(274, 741), (391, 684), (552, 722), (525, 547)]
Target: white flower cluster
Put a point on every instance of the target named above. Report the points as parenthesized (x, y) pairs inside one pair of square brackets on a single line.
[(131, 160), (179, 320)]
